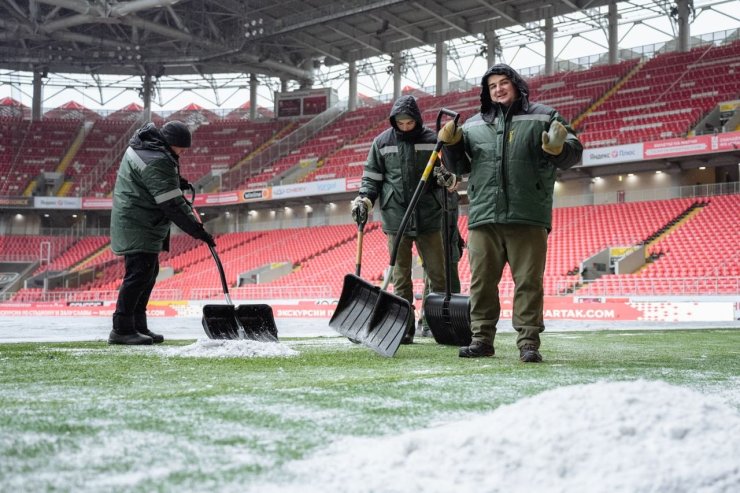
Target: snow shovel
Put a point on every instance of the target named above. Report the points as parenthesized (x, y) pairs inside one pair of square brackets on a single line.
[(356, 316), (367, 314), (447, 314), (357, 300), (253, 322), (386, 325)]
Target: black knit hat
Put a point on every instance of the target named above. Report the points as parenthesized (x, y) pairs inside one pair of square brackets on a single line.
[(176, 134)]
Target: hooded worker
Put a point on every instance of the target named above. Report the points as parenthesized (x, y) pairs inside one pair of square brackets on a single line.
[(392, 172), (511, 150)]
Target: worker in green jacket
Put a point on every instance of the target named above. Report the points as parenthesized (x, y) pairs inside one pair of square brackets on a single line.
[(392, 172), (147, 199), (511, 151)]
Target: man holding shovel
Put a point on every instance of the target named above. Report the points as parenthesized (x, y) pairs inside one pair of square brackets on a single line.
[(512, 150), (392, 172), (147, 199)]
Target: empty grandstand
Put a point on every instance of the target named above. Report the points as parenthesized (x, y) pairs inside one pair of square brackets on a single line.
[(653, 211)]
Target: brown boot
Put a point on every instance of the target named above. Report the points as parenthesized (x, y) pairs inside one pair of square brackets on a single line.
[(477, 349)]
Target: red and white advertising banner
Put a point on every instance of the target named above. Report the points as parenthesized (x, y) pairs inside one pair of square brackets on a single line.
[(700, 144), (97, 203), (610, 310), (353, 184), (210, 199), (81, 309)]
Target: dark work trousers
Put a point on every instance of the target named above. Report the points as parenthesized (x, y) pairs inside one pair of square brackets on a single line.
[(524, 248), (138, 283), (431, 250)]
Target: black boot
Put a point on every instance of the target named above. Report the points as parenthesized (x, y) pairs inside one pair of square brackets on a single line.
[(124, 332), (529, 354), (143, 328), (477, 349), (408, 336)]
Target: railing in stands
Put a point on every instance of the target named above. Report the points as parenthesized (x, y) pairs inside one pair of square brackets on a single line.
[(81, 296), (664, 286), (264, 293), (111, 158), (281, 148), (616, 287)]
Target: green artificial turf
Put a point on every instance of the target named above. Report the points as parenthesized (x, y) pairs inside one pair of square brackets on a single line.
[(76, 416)]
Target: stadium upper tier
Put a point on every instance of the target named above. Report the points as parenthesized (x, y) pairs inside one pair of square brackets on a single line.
[(75, 152)]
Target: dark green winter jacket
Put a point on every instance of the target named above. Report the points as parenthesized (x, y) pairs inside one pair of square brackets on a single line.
[(393, 170), (147, 197), (511, 178)]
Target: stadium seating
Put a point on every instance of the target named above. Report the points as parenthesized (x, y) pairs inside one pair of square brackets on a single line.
[(695, 255), (666, 97), (32, 148), (97, 144), (324, 143), (632, 101), (220, 144)]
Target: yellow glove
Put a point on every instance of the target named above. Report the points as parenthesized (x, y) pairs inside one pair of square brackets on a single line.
[(552, 141), (450, 133)]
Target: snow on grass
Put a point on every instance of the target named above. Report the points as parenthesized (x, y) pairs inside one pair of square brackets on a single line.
[(228, 348), (617, 437)]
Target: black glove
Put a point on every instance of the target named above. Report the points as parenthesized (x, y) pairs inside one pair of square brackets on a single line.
[(445, 178), (186, 186), (460, 245), (182, 214), (360, 208)]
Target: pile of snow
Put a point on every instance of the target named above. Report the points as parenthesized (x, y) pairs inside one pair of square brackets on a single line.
[(603, 437), (228, 348)]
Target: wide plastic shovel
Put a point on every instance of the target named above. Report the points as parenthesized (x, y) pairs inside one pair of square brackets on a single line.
[(356, 303), (253, 322), (358, 314)]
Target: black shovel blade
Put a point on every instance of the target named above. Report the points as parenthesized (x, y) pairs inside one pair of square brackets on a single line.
[(225, 321), (220, 322), (387, 324), (258, 322), (448, 317), (355, 307)]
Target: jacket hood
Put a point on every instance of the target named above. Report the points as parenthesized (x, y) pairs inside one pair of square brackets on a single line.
[(406, 105), (486, 105), (149, 137)]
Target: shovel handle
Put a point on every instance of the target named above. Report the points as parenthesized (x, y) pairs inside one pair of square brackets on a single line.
[(452, 114), (420, 187), (221, 274), (358, 258)]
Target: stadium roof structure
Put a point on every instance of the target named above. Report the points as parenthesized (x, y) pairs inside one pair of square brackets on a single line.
[(280, 38), (208, 45)]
